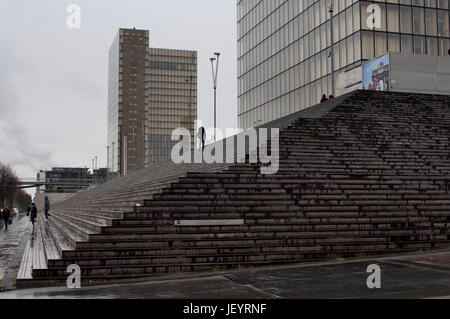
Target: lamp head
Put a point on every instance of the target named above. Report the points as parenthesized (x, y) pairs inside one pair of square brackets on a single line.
[(217, 53), (212, 59)]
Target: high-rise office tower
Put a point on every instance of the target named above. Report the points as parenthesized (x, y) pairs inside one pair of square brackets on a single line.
[(285, 47), (151, 93), (171, 95)]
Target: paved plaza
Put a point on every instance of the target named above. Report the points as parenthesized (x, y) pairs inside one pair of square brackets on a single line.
[(423, 275), (10, 241)]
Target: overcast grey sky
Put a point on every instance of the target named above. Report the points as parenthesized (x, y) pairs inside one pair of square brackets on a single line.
[(53, 80)]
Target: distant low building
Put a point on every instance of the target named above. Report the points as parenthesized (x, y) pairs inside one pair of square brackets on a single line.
[(100, 175), (70, 179)]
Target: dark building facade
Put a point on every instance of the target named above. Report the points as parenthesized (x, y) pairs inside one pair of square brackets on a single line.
[(66, 180), (71, 179), (151, 92), (126, 105)]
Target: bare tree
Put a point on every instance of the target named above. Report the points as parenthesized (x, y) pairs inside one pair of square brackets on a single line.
[(22, 200), (8, 185)]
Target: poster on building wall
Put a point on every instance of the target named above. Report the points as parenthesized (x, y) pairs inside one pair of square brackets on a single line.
[(376, 74), (349, 81)]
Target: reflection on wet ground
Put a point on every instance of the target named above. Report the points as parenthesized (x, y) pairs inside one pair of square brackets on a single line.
[(10, 240), (424, 275)]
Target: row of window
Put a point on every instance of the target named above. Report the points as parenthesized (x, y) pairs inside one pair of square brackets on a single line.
[(346, 23), (171, 59), (168, 125), (173, 53), (289, 103), (172, 66), (161, 72), (252, 12), (170, 105), (172, 120), (187, 86), (176, 78), (299, 75), (406, 19), (346, 52), (394, 18), (189, 95), (377, 43), (169, 98), (295, 54), (161, 131), (166, 112)]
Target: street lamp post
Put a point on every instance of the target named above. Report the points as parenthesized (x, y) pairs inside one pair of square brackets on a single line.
[(107, 163), (112, 164), (332, 43), (214, 74)]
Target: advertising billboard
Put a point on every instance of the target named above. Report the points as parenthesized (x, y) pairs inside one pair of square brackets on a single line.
[(349, 81), (376, 75)]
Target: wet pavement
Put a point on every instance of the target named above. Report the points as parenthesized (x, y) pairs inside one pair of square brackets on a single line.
[(398, 280), (10, 241), (423, 275), (216, 287)]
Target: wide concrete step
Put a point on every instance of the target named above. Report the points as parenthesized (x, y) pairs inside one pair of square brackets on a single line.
[(115, 270), (59, 239), (276, 220), (149, 233), (69, 232), (141, 211), (50, 247), (192, 198), (169, 243), (96, 216), (241, 256), (95, 253), (366, 174), (84, 222)]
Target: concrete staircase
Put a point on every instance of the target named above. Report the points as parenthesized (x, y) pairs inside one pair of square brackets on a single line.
[(366, 174)]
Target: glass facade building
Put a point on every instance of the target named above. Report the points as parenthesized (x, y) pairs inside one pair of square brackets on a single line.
[(150, 93), (285, 46), (171, 99)]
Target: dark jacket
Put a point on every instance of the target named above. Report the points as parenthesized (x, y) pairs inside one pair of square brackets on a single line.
[(202, 133), (33, 214), (47, 204), (6, 214)]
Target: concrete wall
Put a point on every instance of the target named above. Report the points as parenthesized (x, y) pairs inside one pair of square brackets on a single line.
[(420, 73)]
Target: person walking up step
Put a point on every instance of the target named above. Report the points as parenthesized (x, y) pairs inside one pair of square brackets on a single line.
[(47, 207), (33, 214), (6, 215), (202, 137)]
